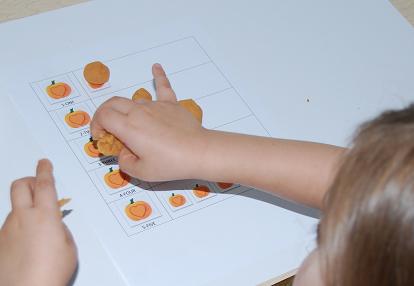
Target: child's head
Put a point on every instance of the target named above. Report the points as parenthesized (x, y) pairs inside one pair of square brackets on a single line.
[(366, 234)]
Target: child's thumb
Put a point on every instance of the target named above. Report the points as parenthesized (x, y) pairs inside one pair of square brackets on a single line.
[(129, 163)]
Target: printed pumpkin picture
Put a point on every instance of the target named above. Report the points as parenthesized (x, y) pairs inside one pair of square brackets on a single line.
[(177, 200), (116, 179), (91, 150), (58, 90), (138, 210), (77, 119), (224, 186), (201, 191)]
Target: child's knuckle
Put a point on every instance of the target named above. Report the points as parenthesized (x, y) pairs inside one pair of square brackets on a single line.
[(44, 183), (17, 184)]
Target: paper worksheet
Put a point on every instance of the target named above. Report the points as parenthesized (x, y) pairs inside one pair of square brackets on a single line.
[(167, 224), (171, 233)]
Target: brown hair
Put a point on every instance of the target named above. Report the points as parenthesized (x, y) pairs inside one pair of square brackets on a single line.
[(366, 234)]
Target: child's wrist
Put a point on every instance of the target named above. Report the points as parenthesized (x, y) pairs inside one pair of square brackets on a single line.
[(203, 156)]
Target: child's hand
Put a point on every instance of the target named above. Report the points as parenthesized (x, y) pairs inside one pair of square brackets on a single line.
[(36, 248), (164, 141)]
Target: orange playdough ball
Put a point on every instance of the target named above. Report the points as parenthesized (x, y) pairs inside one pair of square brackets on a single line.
[(96, 74)]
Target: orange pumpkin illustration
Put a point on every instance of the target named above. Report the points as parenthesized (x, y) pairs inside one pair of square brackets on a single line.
[(224, 186), (91, 149), (138, 210), (177, 200), (58, 90), (116, 179), (201, 191), (76, 119)]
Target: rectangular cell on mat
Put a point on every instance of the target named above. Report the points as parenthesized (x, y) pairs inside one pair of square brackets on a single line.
[(73, 121), (112, 182), (137, 209), (248, 125), (222, 108), (136, 68)]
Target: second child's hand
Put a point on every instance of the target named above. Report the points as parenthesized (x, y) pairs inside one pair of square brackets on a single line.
[(36, 247)]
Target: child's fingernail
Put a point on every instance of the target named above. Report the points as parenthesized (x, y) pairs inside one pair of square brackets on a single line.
[(157, 66), (43, 161), (46, 163)]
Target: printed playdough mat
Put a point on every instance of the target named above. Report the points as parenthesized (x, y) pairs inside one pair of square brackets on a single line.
[(168, 224), (155, 203)]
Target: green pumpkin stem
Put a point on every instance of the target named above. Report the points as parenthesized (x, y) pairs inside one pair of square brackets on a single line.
[(71, 110), (53, 82), (111, 170), (132, 201)]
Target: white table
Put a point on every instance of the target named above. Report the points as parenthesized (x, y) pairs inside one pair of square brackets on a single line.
[(264, 49)]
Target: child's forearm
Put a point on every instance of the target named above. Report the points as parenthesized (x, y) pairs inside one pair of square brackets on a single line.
[(296, 170)]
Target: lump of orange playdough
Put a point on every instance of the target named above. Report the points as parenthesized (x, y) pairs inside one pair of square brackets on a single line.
[(96, 74), (193, 108), (141, 93), (109, 145), (189, 104)]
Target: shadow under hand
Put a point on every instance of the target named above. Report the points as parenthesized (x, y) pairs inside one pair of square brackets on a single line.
[(238, 190), (277, 201), (74, 276)]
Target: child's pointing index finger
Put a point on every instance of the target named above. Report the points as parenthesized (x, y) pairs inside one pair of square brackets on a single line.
[(162, 84), (44, 194)]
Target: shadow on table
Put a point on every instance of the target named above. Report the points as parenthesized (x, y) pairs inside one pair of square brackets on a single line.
[(74, 276), (248, 192), (277, 201)]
